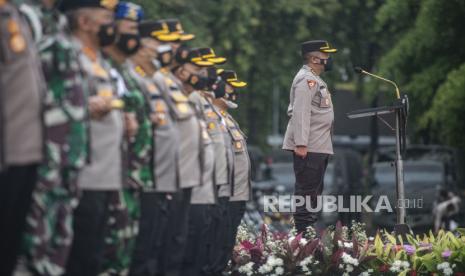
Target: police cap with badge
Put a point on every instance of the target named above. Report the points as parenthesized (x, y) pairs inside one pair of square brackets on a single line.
[(317, 46), (68, 5)]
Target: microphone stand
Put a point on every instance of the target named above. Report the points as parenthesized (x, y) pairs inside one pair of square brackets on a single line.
[(401, 227)]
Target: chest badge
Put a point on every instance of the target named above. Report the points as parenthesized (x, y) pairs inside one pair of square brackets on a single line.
[(325, 102)]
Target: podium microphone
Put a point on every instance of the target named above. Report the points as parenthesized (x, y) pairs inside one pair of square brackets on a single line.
[(359, 70), (401, 121)]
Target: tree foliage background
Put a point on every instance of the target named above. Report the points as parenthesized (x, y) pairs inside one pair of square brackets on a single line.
[(419, 43)]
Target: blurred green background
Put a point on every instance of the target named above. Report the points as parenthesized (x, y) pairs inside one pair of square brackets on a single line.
[(418, 43)]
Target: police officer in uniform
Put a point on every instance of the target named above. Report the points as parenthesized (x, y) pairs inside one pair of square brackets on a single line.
[(21, 136), (309, 132), (204, 198), (155, 53), (173, 83), (48, 235), (92, 26), (124, 216), (240, 188)]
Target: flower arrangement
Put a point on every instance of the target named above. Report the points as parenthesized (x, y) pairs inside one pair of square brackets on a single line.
[(342, 250)]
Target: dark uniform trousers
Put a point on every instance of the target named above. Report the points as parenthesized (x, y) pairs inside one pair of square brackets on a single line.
[(174, 244), (199, 241), (17, 184), (153, 225), (219, 238), (90, 226), (236, 212), (162, 237), (309, 176), (226, 217)]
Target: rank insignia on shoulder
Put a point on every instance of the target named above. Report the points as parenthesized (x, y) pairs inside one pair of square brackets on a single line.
[(311, 83), (205, 135), (182, 107), (17, 43), (12, 26), (98, 71), (212, 115), (151, 87), (105, 93)]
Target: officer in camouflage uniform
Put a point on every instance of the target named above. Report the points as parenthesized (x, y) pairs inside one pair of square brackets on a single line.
[(120, 240), (21, 136), (240, 188), (48, 234), (155, 53), (92, 26)]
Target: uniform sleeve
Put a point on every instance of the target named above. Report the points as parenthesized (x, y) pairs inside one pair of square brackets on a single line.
[(304, 90)]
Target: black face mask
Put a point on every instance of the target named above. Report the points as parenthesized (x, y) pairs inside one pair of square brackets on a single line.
[(181, 54), (219, 88), (129, 44), (164, 55), (212, 76), (198, 82), (232, 96), (107, 34), (328, 65)]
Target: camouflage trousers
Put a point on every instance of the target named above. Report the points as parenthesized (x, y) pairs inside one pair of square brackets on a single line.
[(49, 233), (122, 230)]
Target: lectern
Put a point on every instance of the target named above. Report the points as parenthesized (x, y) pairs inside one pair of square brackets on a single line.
[(400, 108)]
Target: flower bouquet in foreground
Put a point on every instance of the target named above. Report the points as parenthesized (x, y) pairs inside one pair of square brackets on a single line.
[(343, 250)]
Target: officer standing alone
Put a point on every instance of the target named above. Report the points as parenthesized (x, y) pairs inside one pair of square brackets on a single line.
[(309, 132)]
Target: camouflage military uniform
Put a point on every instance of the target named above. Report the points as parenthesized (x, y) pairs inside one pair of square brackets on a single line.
[(49, 234), (125, 209)]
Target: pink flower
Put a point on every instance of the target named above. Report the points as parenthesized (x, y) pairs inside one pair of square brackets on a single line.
[(446, 254), (409, 249)]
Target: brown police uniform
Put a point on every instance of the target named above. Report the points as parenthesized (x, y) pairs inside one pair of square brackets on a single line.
[(310, 124), (21, 136)]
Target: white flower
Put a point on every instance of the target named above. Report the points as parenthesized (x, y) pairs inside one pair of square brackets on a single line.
[(341, 266), (348, 244), (265, 268), (303, 241), (345, 274), (279, 271), (370, 270), (339, 243), (349, 268), (371, 238), (365, 273), (446, 268), (448, 271), (346, 258), (405, 264), (247, 269)]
